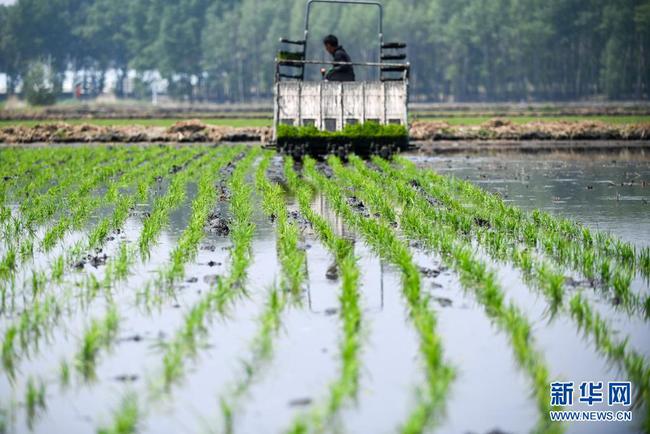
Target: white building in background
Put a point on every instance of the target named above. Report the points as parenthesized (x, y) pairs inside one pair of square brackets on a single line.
[(3, 83)]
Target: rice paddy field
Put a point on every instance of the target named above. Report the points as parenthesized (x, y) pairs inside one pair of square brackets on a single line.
[(227, 289)]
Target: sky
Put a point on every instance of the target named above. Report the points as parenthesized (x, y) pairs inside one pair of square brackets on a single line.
[(7, 2)]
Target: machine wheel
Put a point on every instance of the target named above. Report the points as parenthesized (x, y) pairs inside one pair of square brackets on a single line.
[(342, 151), (373, 149), (386, 152), (297, 151)]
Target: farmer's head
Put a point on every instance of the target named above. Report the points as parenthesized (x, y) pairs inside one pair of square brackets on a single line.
[(331, 43)]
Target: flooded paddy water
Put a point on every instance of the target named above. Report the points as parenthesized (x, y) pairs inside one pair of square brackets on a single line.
[(104, 333)]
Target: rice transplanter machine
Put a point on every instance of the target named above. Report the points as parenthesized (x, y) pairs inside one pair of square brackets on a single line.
[(330, 107)]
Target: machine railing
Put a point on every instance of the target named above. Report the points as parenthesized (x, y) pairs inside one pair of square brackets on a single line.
[(384, 67)]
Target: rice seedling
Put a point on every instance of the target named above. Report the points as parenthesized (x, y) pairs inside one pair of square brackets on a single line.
[(100, 334), (292, 258), (346, 386), (64, 374), (57, 269), (34, 399), (644, 260), (38, 282), (9, 351), (7, 265), (125, 418)]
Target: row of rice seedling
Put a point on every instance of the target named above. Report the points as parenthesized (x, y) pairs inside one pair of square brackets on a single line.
[(293, 263), (387, 244), (118, 268), (551, 282), (202, 205), (180, 163), (616, 351), (185, 250), (292, 258), (416, 222), (345, 387), (183, 343), (566, 241)]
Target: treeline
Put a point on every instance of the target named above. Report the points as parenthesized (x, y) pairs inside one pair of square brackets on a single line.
[(223, 50)]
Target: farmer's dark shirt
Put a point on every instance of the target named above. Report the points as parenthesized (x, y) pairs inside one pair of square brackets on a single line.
[(340, 72)]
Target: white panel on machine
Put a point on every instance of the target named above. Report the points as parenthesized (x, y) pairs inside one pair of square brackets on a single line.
[(332, 105)]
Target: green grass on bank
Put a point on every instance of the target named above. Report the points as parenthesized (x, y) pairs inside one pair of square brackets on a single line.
[(477, 120), (261, 122), (234, 122)]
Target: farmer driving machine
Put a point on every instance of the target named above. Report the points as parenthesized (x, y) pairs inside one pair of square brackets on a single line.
[(325, 117)]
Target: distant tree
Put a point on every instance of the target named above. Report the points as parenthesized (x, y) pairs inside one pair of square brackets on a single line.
[(463, 50), (41, 84), (104, 35), (9, 54)]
